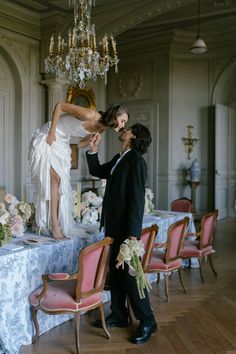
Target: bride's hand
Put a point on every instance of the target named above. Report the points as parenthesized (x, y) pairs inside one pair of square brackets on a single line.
[(50, 138), (94, 141)]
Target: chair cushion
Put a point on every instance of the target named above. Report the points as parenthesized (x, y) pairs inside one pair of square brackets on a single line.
[(60, 296), (157, 264), (190, 249)]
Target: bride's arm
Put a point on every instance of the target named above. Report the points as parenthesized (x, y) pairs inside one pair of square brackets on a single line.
[(80, 112)]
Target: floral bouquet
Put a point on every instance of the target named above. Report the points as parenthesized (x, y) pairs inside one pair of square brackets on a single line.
[(149, 206), (89, 207), (13, 217), (131, 252)]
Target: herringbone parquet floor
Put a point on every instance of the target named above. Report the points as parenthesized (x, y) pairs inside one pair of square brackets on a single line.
[(203, 321)]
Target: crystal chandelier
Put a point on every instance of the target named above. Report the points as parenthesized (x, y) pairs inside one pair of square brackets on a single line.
[(78, 60)]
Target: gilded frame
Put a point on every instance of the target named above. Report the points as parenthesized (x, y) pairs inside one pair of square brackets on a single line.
[(85, 98), (74, 156)]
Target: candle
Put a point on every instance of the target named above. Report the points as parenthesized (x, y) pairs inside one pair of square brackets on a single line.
[(69, 35), (74, 37), (113, 43), (94, 43), (105, 45), (78, 188), (62, 45), (59, 43), (88, 38), (51, 45)]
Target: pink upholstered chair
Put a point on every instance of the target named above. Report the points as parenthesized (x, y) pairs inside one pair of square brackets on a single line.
[(182, 205), (148, 238), (202, 245), (166, 257), (63, 293)]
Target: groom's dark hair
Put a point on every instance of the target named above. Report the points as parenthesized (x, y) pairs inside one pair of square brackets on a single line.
[(142, 138)]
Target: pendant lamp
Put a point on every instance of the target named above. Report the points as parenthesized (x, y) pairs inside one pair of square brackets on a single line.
[(198, 46)]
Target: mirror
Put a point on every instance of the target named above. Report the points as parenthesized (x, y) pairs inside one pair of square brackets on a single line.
[(84, 98)]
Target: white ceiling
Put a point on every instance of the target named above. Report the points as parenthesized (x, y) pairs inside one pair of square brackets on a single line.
[(141, 20)]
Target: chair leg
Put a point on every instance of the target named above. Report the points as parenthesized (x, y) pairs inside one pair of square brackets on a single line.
[(200, 269), (211, 264), (158, 277), (189, 263), (34, 312), (101, 309), (181, 280), (77, 328), (167, 287)]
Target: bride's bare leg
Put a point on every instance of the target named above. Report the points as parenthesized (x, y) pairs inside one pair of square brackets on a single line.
[(54, 185)]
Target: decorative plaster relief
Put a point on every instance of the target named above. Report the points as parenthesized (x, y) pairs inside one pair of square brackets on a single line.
[(15, 47), (130, 84), (146, 12), (140, 117), (3, 73), (219, 66)]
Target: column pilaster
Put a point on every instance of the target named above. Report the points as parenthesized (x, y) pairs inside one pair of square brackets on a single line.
[(56, 92)]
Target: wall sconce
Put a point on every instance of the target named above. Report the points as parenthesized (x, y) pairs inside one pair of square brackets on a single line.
[(189, 141)]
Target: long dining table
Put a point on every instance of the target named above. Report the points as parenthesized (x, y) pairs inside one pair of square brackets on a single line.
[(25, 259)]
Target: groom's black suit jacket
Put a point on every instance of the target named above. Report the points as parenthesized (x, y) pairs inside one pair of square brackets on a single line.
[(123, 203)]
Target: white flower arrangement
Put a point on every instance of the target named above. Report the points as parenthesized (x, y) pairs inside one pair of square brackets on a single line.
[(149, 206), (13, 217), (131, 252), (89, 207)]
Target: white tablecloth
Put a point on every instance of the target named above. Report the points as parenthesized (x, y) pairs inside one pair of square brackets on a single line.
[(21, 270)]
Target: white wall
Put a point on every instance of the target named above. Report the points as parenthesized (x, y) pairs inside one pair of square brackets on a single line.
[(189, 106)]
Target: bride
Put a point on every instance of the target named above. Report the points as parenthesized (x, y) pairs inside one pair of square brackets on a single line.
[(50, 160)]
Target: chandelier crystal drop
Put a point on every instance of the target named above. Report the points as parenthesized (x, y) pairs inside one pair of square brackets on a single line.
[(78, 59)]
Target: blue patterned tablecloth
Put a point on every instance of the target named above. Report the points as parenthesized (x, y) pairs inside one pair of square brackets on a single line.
[(164, 219), (21, 272)]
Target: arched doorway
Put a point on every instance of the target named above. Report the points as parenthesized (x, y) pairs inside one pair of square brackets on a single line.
[(10, 125), (224, 150)]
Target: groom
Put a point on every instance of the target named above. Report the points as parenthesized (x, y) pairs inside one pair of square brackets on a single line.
[(122, 215)]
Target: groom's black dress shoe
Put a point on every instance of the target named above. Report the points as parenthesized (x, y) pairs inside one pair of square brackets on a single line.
[(112, 322), (143, 332)]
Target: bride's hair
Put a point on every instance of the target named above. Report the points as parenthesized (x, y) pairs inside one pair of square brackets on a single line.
[(109, 118)]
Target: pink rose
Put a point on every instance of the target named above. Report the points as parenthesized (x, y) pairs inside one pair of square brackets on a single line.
[(10, 199)]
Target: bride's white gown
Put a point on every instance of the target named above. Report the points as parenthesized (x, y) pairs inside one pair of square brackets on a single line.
[(42, 157)]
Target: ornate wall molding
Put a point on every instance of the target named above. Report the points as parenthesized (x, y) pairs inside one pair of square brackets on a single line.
[(19, 19), (144, 13), (14, 48), (130, 84)]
